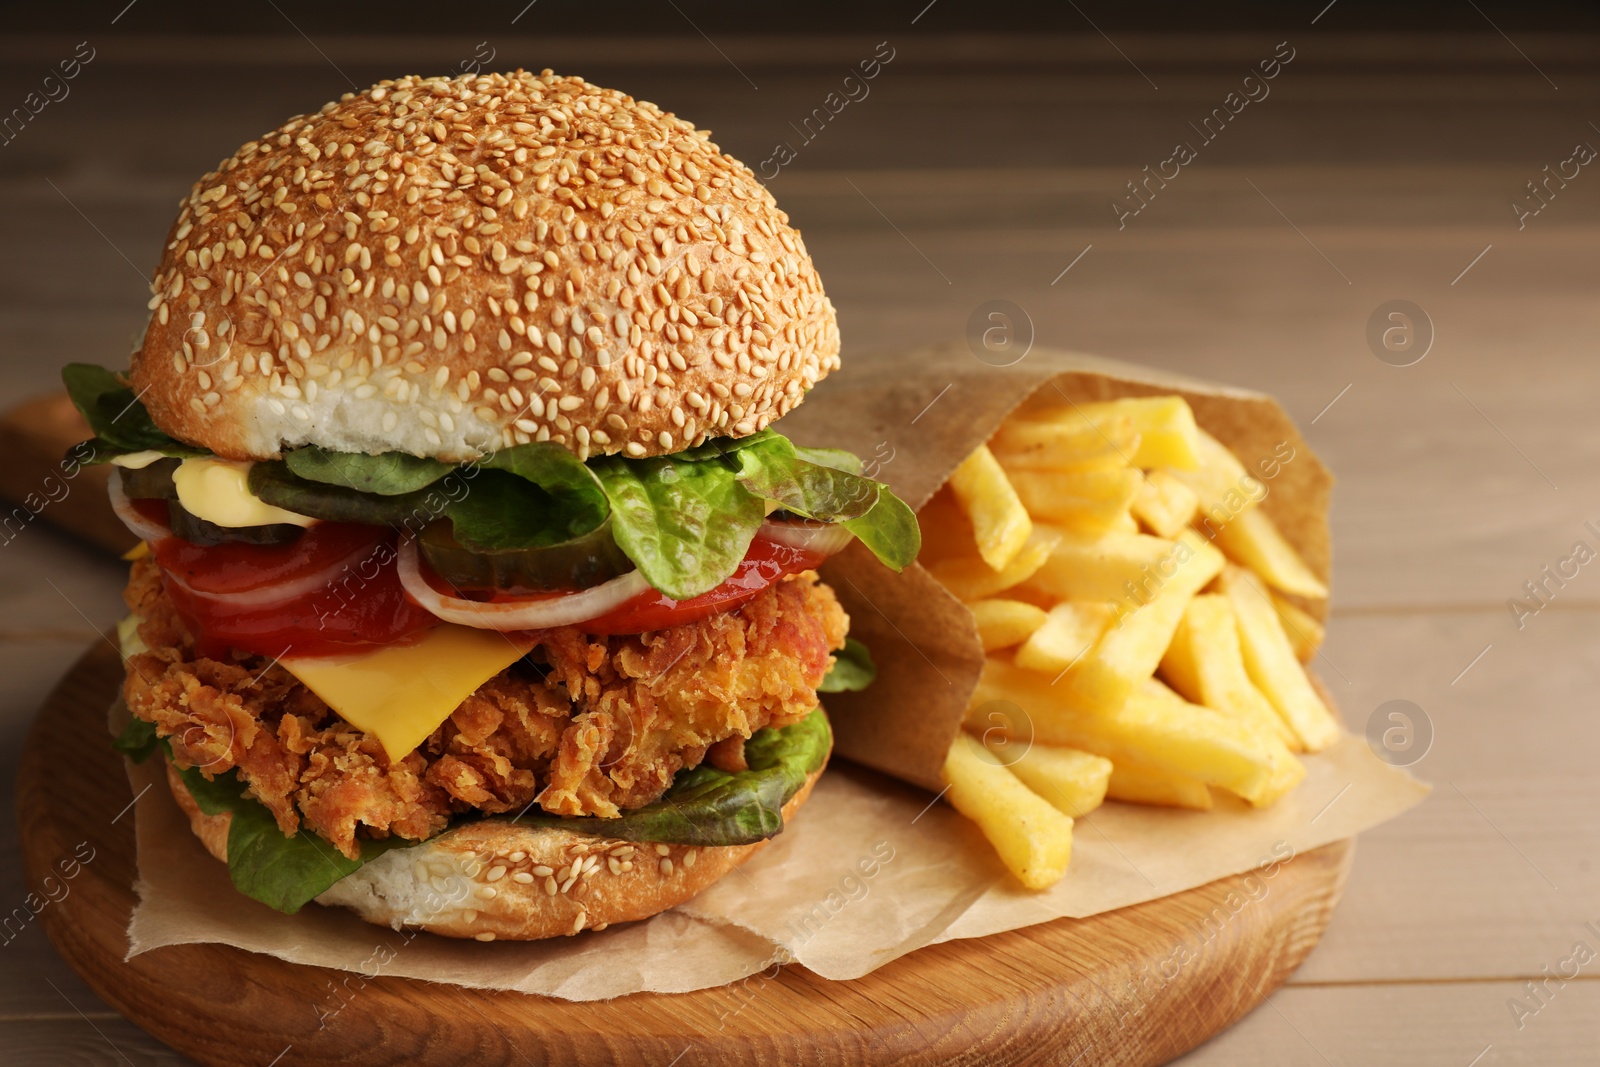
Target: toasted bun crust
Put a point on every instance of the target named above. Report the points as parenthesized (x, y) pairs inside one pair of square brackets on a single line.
[(493, 880), (446, 266)]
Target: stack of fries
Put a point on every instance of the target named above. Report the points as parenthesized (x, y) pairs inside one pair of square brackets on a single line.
[(1144, 622)]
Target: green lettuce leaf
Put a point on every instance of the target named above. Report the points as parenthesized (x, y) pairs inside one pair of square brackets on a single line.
[(848, 462), (284, 873), (890, 530), (386, 474), (120, 423), (709, 807), (774, 470), (826, 484), (138, 740), (852, 670), (686, 526), (560, 498), (721, 447)]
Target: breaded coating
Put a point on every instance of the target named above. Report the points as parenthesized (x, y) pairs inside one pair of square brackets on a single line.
[(586, 725)]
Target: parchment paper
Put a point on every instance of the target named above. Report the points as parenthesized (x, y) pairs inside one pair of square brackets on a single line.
[(872, 868)]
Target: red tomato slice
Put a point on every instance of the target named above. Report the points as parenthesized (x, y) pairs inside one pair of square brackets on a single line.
[(242, 568), (765, 563), (361, 606)]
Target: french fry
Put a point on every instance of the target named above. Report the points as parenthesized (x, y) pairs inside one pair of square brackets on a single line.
[(1204, 664), (1003, 623), (1100, 567), (1270, 660), (999, 521), (973, 579), (1155, 728), (1223, 487), (1128, 653), (1070, 630), (1133, 783), (1252, 539), (1305, 633), (1066, 441), (1070, 779), (1067, 458), (1033, 838), (1168, 436), (1164, 503), (946, 530), (1093, 499), (1124, 523), (1039, 532)]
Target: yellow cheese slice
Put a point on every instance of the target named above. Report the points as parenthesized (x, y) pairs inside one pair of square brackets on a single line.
[(218, 491), (401, 694)]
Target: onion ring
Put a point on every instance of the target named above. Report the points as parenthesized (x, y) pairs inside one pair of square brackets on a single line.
[(565, 609), (822, 539), (145, 529), (266, 596)]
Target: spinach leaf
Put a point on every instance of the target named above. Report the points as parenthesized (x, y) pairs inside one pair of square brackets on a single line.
[(120, 423), (852, 670), (386, 474), (276, 484), (686, 526), (709, 807)]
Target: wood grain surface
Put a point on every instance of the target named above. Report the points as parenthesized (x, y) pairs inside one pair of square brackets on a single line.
[(1090, 989)]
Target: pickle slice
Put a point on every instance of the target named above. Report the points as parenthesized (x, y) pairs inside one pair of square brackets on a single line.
[(584, 561), (190, 527), (152, 482)]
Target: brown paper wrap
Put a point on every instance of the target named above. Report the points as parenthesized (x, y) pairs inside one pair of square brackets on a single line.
[(914, 428), (869, 870)]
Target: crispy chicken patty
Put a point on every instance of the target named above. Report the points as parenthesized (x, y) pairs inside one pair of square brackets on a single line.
[(583, 726)]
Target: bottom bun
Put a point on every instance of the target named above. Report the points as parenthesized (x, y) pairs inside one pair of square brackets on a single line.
[(496, 880)]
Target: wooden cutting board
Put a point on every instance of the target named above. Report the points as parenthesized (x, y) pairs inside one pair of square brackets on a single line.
[(1087, 991)]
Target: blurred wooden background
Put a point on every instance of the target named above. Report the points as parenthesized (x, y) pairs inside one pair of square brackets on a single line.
[(982, 165)]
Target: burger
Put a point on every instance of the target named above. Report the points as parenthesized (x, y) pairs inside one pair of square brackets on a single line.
[(476, 590)]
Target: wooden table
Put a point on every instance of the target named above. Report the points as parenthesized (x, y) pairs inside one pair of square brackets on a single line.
[(982, 168)]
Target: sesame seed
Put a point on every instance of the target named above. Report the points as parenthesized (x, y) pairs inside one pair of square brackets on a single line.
[(496, 873), (485, 935)]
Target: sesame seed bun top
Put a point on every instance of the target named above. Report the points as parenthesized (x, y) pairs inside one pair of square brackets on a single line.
[(446, 266)]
